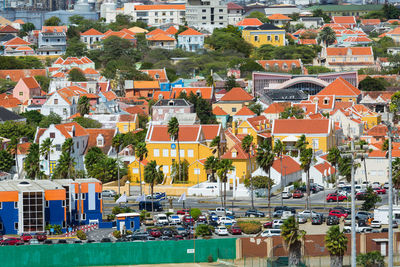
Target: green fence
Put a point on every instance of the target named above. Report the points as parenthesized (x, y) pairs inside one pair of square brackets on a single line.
[(124, 253)]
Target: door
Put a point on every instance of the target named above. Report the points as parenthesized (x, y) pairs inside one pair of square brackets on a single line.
[(122, 226)]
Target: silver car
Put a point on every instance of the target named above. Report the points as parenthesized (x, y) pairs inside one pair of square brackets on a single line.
[(108, 193)]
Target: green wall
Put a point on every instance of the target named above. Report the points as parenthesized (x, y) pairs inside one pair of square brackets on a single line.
[(124, 253)]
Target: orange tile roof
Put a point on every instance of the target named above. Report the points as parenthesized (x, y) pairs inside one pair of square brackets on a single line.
[(245, 111), (67, 127), (281, 64), (90, 95), (19, 21), (307, 107), (146, 85), (324, 102), (9, 101), (92, 31), (301, 126), (171, 30), (391, 21), (155, 32), (377, 130), (135, 110), (16, 75), (289, 164), (190, 32), (159, 7), (8, 29), (340, 87), (187, 133), (370, 21), (217, 111), (249, 22), (278, 17), (16, 42), (31, 82), (23, 149), (23, 48), (325, 166), (277, 107), (344, 19), (343, 51), (210, 131), (109, 95), (358, 39), (205, 92), (236, 152), (107, 134), (377, 154), (395, 31), (157, 74), (161, 37), (237, 94), (308, 41), (54, 28), (58, 75), (161, 95), (91, 71), (258, 122)]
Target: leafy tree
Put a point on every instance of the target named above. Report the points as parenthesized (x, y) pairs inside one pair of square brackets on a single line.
[(231, 83), (195, 213), (373, 84), (106, 170), (141, 154), (76, 19), (72, 32), (75, 47), (52, 118), (53, 21), (265, 158), (76, 75), (257, 108), (87, 122), (28, 27), (6, 161), (290, 112), (117, 142), (23, 62), (258, 15), (336, 243), (247, 145), (184, 170), (202, 107), (216, 142), (391, 12), (371, 259), (317, 69), (32, 162), (333, 158), (93, 156), (83, 105), (224, 166), (211, 165), (396, 175), (173, 131), (32, 117), (319, 13), (371, 198), (306, 157), (6, 85), (46, 147), (44, 82), (328, 36), (65, 164), (292, 236), (10, 129), (344, 167), (153, 175)]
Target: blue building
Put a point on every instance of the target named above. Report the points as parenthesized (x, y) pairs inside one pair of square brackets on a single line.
[(128, 221), (191, 40)]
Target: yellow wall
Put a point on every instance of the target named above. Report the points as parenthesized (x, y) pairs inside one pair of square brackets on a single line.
[(242, 167), (124, 127), (346, 99), (228, 107), (324, 142), (262, 37), (371, 120), (241, 129)]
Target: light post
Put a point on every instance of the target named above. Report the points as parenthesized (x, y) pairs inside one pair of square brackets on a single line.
[(390, 196)]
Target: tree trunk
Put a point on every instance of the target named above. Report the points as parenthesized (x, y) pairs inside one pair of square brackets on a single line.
[(119, 184), (225, 195), (49, 163), (269, 192), (294, 254), (140, 178), (336, 261), (152, 200), (365, 171), (179, 162), (251, 185), (308, 190)]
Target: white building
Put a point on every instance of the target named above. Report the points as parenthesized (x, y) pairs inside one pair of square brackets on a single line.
[(156, 15), (352, 128), (206, 14), (235, 13), (191, 40)]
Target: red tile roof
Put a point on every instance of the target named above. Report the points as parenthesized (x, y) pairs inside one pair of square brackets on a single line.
[(205, 92), (23, 149), (146, 85), (233, 6), (91, 32), (245, 111), (155, 32), (289, 165), (324, 102), (236, 152), (31, 82), (307, 107), (16, 75), (249, 22), (302, 126), (109, 95), (107, 134), (378, 130), (171, 30), (277, 107), (135, 110), (280, 64), (358, 39), (308, 41), (8, 29), (161, 37), (343, 51), (217, 111), (16, 42), (278, 17), (237, 94), (344, 19), (157, 74), (8, 101), (190, 32), (325, 166), (370, 21), (54, 28), (340, 87), (377, 154)]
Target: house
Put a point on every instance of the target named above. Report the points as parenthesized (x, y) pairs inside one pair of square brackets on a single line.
[(367, 116), (234, 100), (161, 41), (73, 62), (14, 46), (10, 103), (16, 75), (307, 41), (311, 22), (342, 90), (156, 15), (191, 40), (346, 21), (346, 10), (257, 126), (141, 88), (243, 114), (161, 76), (319, 133), (376, 134), (8, 29), (27, 88), (221, 116), (206, 93), (366, 22), (274, 110), (123, 34), (281, 65), (279, 20), (235, 13), (52, 41), (206, 15), (394, 34), (347, 58), (352, 128), (264, 34), (162, 108), (324, 103), (248, 22), (91, 38)]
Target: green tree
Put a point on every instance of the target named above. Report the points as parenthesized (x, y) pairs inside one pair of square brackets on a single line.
[(195, 213), (290, 112), (319, 13), (257, 108), (265, 158), (52, 118), (87, 122), (6, 85), (141, 154), (76, 75), (83, 105), (370, 199), (92, 157), (231, 83), (306, 157), (32, 117), (328, 36), (224, 167), (106, 170), (53, 21), (173, 131), (391, 12), (333, 158), (317, 69), (6, 161), (211, 165), (301, 143), (153, 175), (371, 259), (292, 236), (75, 47), (46, 147), (28, 27), (216, 142), (344, 167), (76, 19), (44, 82), (247, 146), (373, 84), (65, 165), (10, 129), (336, 244), (116, 144), (258, 15), (32, 162), (396, 176)]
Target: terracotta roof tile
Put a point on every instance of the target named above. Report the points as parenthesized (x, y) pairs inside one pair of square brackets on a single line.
[(135, 110), (22, 149), (249, 22), (217, 111), (281, 64), (343, 51), (344, 19), (16, 42), (277, 107), (245, 111), (302, 126), (146, 85), (233, 6), (370, 21), (191, 32), (278, 17), (291, 166), (157, 74), (31, 82), (110, 95), (171, 30), (107, 134), (205, 92), (340, 87), (155, 32), (308, 41), (159, 7), (8, 29), (237, 94), (160, 37), (92, 32)]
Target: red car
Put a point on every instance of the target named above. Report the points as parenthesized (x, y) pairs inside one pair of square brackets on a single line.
[(298, 194), (41, 236), (188, 219), (334, 197), (26, 237), (202, 218), (380, 190), (338, 213), (154, 233), (235, 230), (183, 211), (12, 241), (267, 224)]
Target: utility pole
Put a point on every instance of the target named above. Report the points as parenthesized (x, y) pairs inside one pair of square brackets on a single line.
[(390, 197)]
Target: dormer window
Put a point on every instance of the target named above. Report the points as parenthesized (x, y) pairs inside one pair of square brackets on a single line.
[(100, 140), (171, 103), (160, 97), (276, 66), (285, 66), (267, 66), (326, 101), (234, 154), (198, 93), (293, 66), (157, 76)]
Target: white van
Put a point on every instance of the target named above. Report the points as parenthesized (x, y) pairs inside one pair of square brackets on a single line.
[(271, 232), (161, 219)]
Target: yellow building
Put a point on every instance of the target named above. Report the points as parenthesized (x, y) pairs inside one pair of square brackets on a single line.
[(366, 115), (127, 123), (264, 34), (234, 100), (319, 133), (194, 144), (342, 90), (258, 127)]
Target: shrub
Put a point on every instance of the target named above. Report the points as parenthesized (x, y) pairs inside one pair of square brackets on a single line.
[(56, 227), (116, 210), (203, 230), (251, 227), (195, 213), (81, 235), (144, 214), (110, 217), (210, 258), (117, 234), (129, 232), (169, 213)]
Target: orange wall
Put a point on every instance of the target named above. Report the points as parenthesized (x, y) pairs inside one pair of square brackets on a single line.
[(57, 194), (9, 196)]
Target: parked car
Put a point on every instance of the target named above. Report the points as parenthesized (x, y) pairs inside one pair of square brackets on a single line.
[(363, 215), (376, 185), (187, 219), (308, 213), (26, 237), (286, 194), (361, 195), (148, 221), (277, 214), (276, 224), (301, 218), (108, 193), (106, 240), (286, 214), (380, 191), (317, 220), (376, 224), (226, 221), (343, 209), (338, 213), (221, 212), (174, 219), (48, 242), (298, 194), (235, 230), (334, 197), (181, 231), (154, 232), (12, 241), (267, 224), (332, 220), (183, 212), (254, 213), (386, 185), (347, 221), (221, 230), (202, 218), (41, 236), (271, 232), (161, 219), (62, 241), (34, 241)]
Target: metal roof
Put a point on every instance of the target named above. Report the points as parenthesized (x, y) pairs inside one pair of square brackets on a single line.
[(28, 185)]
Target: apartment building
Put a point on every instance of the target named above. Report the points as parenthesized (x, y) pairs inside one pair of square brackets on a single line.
[(206, 14), (156, 15)]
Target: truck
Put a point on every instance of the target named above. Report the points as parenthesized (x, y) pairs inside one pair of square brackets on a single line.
[(161, 219), (220, 211)]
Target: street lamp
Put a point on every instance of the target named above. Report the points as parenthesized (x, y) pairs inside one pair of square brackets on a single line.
[(390, 195)]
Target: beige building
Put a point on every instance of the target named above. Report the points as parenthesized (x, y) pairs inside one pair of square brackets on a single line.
[(234, 100)]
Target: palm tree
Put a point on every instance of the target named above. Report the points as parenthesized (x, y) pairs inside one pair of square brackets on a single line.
[(216, 142), (117, 141), (83, 105), (364, 146), (65, 164), (336, 243), (141, 153), (247, 144), (224, 166), (153, 175), (301, 143), (328, 36), (265, 158), (292, 236), (279, 148), (32, 162), (173, 131), (211, 165), (13, 149), (306, 157), (396, 176), (45, 151), (333, 157)]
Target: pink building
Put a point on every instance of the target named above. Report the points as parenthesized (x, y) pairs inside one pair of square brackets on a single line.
[(26, 89)]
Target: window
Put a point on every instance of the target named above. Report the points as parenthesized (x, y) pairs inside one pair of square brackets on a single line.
[(76, 196), (182, 152), (165, 153), (156, 152), (233, 109), (165, 169), (132, 225), (190, 153), (203, 10), (125, 128), (16, 226), (245, 130), (83, 216), (83, 196), (269, 38), (52, 135), (76, 217), (196, 171), (173, 152), (256, 38), (55, 101), (64, 224), (100, 140), (234, 154), (276, 37), (47, 204), (15, 205), (21, 93), (355, 59), (221, 10), (135, 170), (99, 195), (326, 101), (315, 143), (63, 203), (221, 17), (204, 17), (58, 147)]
